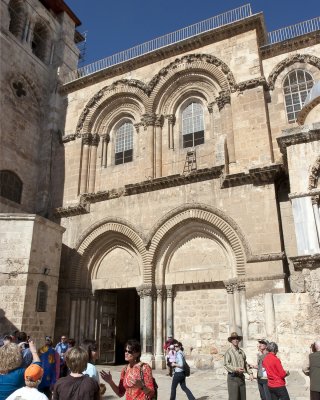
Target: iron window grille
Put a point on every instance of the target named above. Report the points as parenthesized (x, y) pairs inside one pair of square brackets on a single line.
[(124, 143), (42, 296), (192, 125), (296, 87)]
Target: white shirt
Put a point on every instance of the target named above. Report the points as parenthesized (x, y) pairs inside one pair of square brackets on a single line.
[(92, 372), (27, 393)]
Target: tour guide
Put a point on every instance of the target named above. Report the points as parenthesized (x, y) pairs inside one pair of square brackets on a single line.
[(236, 365)]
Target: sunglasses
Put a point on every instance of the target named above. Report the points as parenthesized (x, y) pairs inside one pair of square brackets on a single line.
[(129, 351)]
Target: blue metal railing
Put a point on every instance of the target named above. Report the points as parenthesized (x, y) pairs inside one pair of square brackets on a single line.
[(228, 17), (292, 31)]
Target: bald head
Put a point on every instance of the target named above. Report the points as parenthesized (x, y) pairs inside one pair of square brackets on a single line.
[(317, 345)]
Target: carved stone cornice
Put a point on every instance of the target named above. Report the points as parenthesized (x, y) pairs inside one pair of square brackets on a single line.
[(253, 22), (223, 99), (311, 193), (294, 58), (308, 261), (257, 258), (79, 209), (290, 45), (255, 176), (252, 83), (69, 138), (297, 135)]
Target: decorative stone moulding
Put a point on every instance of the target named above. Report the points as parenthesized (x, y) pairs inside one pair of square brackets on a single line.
[(297, 135), (255, 176), (295, 58), (307, 261)]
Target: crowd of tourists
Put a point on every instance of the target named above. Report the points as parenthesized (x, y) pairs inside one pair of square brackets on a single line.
[(270, 372), (66, 371)]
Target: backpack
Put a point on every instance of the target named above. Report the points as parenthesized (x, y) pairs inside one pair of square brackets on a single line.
[(155, 385)]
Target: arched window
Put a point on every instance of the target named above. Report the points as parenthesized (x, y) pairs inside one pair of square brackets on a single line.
[(42, 296), (192, 125), (124, 143), (296, 87), (10, 186), (40, 41), (17, 18)]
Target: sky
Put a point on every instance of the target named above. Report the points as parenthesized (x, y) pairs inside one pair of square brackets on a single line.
[(116, 25)]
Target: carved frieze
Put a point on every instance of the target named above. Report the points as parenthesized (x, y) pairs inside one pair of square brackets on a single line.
[(297, 135), (252, 83), (308, 261)]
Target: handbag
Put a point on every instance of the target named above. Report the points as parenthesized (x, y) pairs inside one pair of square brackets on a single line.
[(186, 367), (155, 385)]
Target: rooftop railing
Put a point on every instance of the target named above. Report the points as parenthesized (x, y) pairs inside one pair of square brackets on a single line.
[(292, 31), (228, 17)]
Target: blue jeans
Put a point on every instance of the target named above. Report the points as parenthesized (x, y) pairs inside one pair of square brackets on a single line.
[(279, 393), (179, 377), (263, 389)]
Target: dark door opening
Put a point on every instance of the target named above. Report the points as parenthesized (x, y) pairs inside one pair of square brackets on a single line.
[(119, 320)]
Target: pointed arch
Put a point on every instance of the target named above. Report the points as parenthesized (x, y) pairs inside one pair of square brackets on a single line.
[(123, 88), (224, 226), (192, 67), (94, 240)]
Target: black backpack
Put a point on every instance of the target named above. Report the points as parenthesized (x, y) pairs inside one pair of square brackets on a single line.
[(155, 385)]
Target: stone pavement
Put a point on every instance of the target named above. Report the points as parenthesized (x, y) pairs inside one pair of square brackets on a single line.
[(206, 386)]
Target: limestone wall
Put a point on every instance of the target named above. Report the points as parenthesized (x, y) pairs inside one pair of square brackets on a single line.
[(30, 253)]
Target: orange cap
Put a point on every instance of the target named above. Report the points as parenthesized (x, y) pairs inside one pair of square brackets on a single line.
[(33, 373)]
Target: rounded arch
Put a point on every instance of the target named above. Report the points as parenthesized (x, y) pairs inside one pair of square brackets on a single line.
[(287, 62), (88, 246), (203, 64), (40, 40), (18, 13), (214, 217), (133, 89)]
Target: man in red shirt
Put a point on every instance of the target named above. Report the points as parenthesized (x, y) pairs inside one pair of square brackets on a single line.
[(276, 374)]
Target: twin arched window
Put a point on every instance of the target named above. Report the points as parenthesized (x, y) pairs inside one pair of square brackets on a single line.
[(124, 143), (296, 87), (10, 186), (192, 125)]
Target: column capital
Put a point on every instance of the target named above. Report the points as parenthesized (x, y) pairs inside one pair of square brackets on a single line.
[(210, 106), (90, 139), (148, 119), (170, 291), (145, 291), (159, 120), (106, 138), (230, 286), (171, 118), (160, 291), (95, 139), (223, 99)]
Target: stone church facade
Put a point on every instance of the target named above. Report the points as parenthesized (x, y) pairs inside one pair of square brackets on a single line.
[(184, 197)]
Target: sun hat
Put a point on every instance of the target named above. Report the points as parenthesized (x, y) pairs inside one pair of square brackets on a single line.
[(234, 335)]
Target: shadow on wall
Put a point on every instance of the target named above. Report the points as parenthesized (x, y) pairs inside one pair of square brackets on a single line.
[(6, 327)]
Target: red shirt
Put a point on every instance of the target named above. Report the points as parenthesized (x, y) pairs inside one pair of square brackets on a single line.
[(275, 371)]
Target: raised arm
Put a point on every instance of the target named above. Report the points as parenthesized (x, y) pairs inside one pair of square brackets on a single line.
[(33, 349)]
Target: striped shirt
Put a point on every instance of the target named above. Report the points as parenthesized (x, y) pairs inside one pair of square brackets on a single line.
[(235, 358)]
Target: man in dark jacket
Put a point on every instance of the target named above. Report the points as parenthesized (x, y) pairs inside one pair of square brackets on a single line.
[(314, 371)]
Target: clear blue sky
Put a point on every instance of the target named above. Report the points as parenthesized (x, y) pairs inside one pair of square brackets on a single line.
[(115, 25)]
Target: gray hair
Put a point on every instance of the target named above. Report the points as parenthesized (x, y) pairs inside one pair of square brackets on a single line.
[(272, 347), (317, 345)]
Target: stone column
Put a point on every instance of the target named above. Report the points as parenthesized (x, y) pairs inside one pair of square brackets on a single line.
[(169, 325), (86, 140), (237, 308), (158, 146), (269, 316), (229, 288), (142, 334), (92, 316), (171, 122), (244, 315), (149, 121), (160, 359), (147, 356), (83, 319), (73, 311), (105, 142), (93, 161)]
